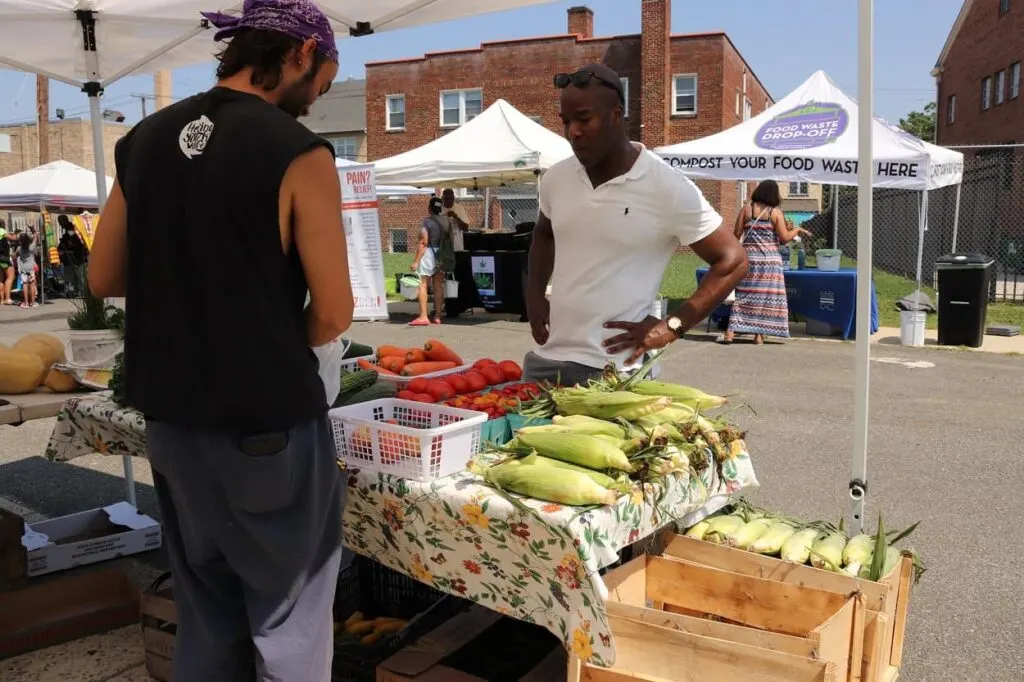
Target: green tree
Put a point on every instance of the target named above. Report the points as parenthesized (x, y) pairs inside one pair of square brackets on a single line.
[(921, 123)]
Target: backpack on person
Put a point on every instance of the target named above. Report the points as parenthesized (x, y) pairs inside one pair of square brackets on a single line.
[(444, 257)]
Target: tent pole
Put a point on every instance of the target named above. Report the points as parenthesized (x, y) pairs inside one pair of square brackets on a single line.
[(922, 227), (99, 164), (835, 216), (44, 255), (956, 215), (865, 206)]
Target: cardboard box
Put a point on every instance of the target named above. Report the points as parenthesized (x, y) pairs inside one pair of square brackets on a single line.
[(88, 537), (442, 655), (64, 609)]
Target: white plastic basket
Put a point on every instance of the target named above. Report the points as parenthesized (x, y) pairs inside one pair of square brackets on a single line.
[(352, 364), (401, 382), (417, 441)]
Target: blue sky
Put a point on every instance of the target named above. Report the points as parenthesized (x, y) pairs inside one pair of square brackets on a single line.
[(784, 41)]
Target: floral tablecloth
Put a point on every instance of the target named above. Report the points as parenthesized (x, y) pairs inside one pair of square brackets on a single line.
[(531, 560)]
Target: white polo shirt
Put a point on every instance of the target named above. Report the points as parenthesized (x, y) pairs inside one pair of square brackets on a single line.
[(612, 245)]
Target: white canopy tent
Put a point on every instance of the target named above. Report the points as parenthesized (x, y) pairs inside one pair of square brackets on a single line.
[(92, 43), (59, 184), (501, 146), (809, 136), (386, 190)]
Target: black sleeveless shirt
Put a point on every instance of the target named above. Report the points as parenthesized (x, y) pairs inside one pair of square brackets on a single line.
[(215, 336)]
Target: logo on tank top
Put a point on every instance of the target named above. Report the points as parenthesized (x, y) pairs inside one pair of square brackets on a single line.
[(194, 136)]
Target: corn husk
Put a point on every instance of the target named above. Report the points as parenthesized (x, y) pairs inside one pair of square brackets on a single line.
[(857, 553), (576, 448), (581, 423), (684, 395), (698, 530), (748, 533), (548, 483), (798, 547), (772, 540), (827, 552), (719, 527), (603, 480)]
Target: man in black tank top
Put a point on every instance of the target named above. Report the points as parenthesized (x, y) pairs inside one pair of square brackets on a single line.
[(225, 213)]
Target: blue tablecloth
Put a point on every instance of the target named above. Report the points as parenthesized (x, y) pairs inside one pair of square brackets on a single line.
[(827, 297)]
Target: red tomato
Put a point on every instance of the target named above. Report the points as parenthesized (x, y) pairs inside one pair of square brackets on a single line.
[(458, 384), (418, 385), (475, 381), (511, 370), (424, 398), (439, 389), (406, 395), (493, 375)]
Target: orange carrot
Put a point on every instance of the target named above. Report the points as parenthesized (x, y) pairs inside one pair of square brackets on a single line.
[(415, 355), (391, 351), (392, 363), (438, 352), (363, 363), (417, 368)]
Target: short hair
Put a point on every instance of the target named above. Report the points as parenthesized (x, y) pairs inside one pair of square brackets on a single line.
[(264, 52), (448, 190), (435, 206), (65, 222), (25, 240), (767, 194)]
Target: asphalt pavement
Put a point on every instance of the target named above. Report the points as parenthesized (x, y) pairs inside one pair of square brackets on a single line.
[(945, 434)]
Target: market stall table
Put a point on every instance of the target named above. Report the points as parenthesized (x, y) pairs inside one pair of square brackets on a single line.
[(535, 561), (43, 403), (827, 297)]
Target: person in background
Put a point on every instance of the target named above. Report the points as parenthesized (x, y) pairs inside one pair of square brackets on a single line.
[(244, 464), (72, 255), (27, 269), (761, 307), (611, 216), (425, 264), (458, 220), (8, 244)]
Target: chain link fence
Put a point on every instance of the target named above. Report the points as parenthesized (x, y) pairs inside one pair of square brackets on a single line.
[(988, 219)]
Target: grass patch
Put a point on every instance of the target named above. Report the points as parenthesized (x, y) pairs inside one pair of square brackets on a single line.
[(680, 281), (395, 263)]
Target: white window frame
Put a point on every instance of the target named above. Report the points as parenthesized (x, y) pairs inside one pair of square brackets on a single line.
[(388, 99), (986, 93), (951, 110), (624, 82), (391, 239), (675, 94), (335, 139), (1000, 87), (462, 106), (739, 100), (799, 189), (748, 109), (1014, 80)]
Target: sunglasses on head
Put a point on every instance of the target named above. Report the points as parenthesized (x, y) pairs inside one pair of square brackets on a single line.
[(581, 79)]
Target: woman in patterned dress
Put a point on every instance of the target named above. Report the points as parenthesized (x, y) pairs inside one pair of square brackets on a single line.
[(760, 307)]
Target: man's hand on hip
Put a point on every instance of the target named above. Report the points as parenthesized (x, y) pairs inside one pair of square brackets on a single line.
[(538, 309), (638, 337)]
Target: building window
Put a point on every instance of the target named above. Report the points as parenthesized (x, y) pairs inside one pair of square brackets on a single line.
[(798, 189), (396, 112), (684, 94), (1000, 87), (1015, 80), (460, 106), (951, 110), (625, 96), (748, 109), (1004, 6), (537, 119), (739, 97), (345, 147), (399, 241), (986, 93)]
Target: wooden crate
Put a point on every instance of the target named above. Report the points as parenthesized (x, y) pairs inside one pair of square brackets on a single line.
[(159, 627), (886, 601), (754, 618)]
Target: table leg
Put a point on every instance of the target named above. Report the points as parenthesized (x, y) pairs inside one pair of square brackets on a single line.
[(129, 480)]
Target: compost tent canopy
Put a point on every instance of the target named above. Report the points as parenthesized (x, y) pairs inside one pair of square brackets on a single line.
[(811, 136), (501, 146), (57, 184)]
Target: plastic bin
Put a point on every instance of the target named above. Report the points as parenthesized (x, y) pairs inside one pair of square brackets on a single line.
[(963, 280), (828, 259), (912, 327), (417, 441)]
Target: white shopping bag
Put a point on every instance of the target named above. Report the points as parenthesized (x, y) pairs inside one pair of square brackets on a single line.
[(330, 357)]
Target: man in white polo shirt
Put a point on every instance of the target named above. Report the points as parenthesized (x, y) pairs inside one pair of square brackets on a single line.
[(610, 219)]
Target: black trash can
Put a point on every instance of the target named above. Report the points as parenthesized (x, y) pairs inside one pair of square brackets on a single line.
[(963, 298)]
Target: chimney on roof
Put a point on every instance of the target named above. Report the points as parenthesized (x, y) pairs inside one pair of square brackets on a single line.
[(581, 21), (655, 67)]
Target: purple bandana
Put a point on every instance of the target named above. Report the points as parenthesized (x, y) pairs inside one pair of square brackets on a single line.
[(300, 19)]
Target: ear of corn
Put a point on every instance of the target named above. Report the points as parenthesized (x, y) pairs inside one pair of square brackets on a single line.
[(798, 547), (827, 552), (584, 424), (685, 395), (576, 448), (697, 530), (858, 552), (673, 414), (549, 483), (772, 540), (608, 405), (603, 480), (545, 428), (892, 558), (719, 528), (748, 533)]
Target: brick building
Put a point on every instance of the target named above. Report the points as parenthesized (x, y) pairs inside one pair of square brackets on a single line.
[(978, 79), (340, 117), (70, 140), (679, 87)]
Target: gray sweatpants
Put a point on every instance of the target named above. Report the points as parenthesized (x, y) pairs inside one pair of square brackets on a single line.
[(255, 547), (536, 368)]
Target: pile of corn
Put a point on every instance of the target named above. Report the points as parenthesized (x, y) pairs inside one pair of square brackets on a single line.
[(819, 544), (605, 441)]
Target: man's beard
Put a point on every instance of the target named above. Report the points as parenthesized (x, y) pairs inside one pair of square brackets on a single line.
[(296, 98)]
